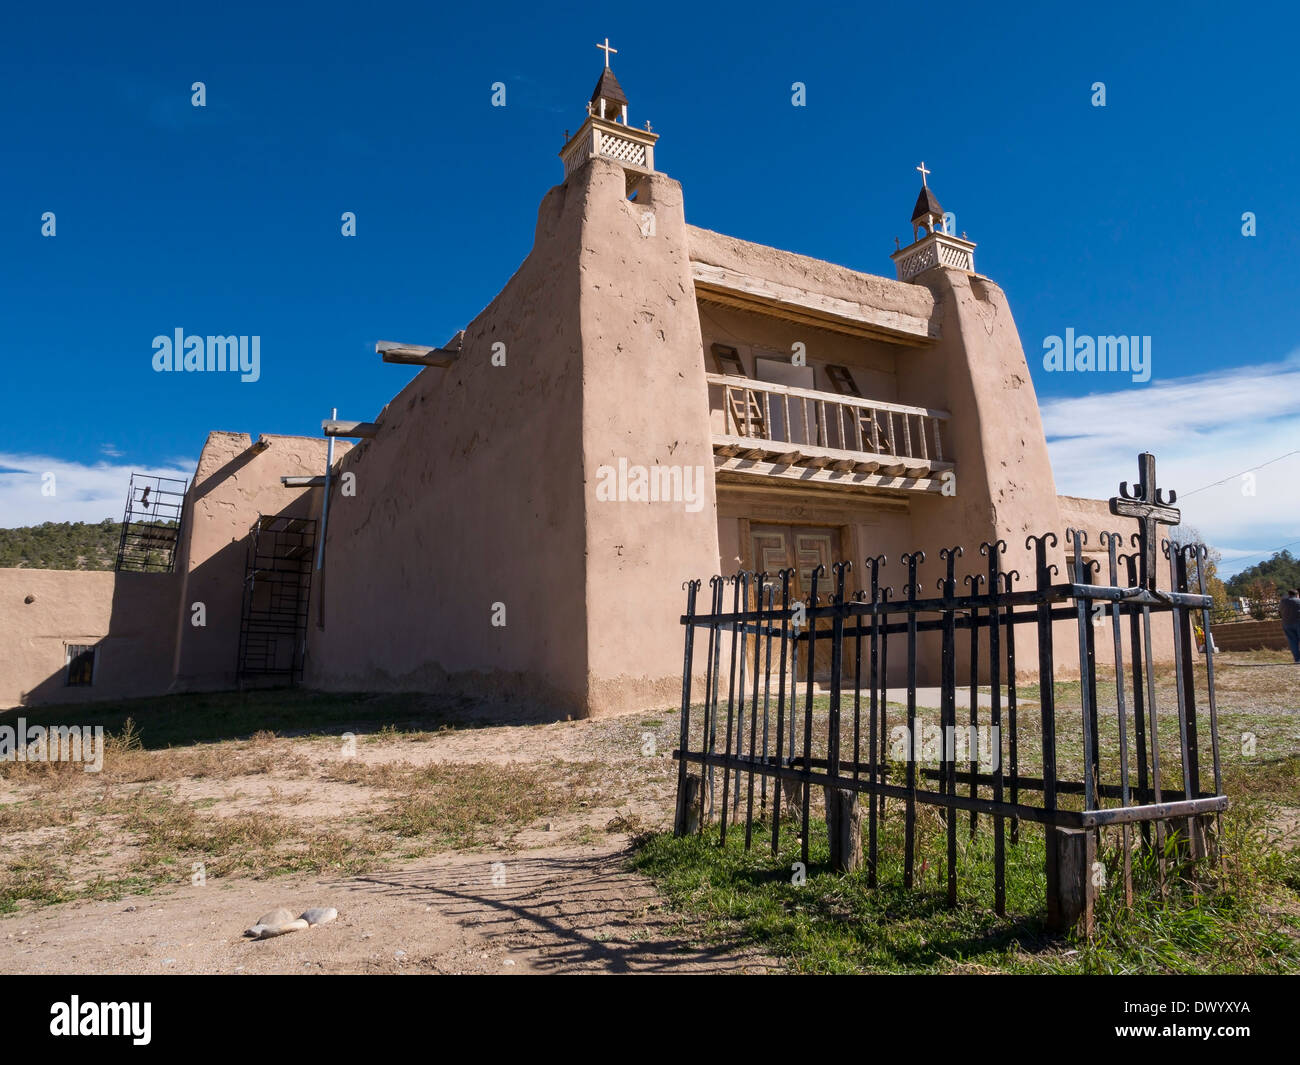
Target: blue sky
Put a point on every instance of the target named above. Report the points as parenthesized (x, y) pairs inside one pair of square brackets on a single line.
[(1123, 219)]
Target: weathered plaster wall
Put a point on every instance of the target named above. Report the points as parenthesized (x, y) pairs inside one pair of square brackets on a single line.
[(868, 291), (128, 615), (645, 401), (472, 494), (232, 486), (977, 372)]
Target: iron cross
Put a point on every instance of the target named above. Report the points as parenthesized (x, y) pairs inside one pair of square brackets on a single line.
[(1148, 505), (607, 49)]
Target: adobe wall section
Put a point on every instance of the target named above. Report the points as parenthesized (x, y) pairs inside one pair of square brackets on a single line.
[(127, 615), (977, 372), (472, 495), (910, 306), (233, 484), (645, 405)]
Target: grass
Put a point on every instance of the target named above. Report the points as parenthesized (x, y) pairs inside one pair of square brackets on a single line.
[(72, 835), (1246, 920), (141, 824)]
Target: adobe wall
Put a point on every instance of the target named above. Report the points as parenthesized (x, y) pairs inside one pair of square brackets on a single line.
[(128, 615), (472, 495), (909, 303), (977, 371), (645, 402), (233, 484)]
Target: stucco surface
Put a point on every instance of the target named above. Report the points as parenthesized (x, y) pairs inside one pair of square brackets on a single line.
[(644, 400), (472, 495), (128, 616), (232, 486), (804, 272)]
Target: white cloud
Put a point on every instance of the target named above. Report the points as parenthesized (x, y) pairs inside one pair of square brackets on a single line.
[(1202, 429), (81, 492)]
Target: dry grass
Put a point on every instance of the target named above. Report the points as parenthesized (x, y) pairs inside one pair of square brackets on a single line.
[(295, 805)]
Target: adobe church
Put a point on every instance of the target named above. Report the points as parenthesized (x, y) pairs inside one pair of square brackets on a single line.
[(645, 402)]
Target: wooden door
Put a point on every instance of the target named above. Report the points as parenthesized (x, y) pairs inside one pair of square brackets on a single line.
[(800, 548)]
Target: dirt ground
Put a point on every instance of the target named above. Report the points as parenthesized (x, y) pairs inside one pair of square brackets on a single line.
[(451, 849), (550, 910), (548, 894)]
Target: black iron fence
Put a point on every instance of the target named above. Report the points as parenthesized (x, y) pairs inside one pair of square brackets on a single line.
[(760, 737)]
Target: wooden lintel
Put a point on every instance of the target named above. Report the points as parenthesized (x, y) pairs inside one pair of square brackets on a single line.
[(337, 427), (303, 482)]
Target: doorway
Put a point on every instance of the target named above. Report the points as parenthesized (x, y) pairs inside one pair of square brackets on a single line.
[(801, 548)]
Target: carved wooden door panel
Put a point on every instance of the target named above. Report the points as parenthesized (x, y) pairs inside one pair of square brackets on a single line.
[(801, 548)]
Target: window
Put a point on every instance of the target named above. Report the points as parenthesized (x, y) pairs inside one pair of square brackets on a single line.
[(81, 665)]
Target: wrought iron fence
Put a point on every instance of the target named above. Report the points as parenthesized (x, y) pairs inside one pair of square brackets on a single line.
[(771, 737)]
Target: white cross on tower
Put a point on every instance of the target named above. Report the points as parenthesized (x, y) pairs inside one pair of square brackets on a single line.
[(607, 49), (920, 168)]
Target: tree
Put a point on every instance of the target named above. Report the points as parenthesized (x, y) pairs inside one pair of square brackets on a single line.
[(1214, 586), (1282, 571)]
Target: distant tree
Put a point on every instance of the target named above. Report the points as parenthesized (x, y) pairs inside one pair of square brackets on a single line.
[(1214, 586), (61, 545), (1282, 570)]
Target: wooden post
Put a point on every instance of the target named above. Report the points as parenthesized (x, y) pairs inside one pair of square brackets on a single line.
[(844, 827), (1071, 854), (687, 821)]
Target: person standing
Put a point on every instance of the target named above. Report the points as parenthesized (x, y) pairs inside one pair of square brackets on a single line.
[(1289, 608)]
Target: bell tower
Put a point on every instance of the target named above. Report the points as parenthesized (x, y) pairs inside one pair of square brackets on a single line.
[(606, 131), (932, 245)]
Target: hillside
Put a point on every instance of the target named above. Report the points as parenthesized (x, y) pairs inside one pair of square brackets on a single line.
[(60, 545)]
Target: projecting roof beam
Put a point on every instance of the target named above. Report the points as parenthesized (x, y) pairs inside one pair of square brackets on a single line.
[(419, 355), (303, 482), (335, 427)]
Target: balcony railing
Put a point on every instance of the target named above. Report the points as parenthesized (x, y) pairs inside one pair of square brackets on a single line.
[(786, 426)]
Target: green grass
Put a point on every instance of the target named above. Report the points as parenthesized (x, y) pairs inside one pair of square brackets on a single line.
[(1245, 919)]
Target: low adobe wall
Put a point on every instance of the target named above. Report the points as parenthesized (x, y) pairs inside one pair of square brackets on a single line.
[(128, 616), (1249, 636)]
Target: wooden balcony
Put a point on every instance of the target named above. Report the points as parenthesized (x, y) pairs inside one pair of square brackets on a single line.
[(771, 430)]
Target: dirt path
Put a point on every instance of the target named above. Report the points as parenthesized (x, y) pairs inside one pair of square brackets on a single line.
[(559, 910)]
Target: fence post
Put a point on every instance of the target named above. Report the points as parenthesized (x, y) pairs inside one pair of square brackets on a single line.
[(1071, 854), (687, 821), (844, 829), (688, 664)]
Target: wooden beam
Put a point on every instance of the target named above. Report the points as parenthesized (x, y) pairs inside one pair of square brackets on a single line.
[(419, 354), (815, 456), (303, 482), (738, 470), (720, 284), (337, 427), (262, 444)]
